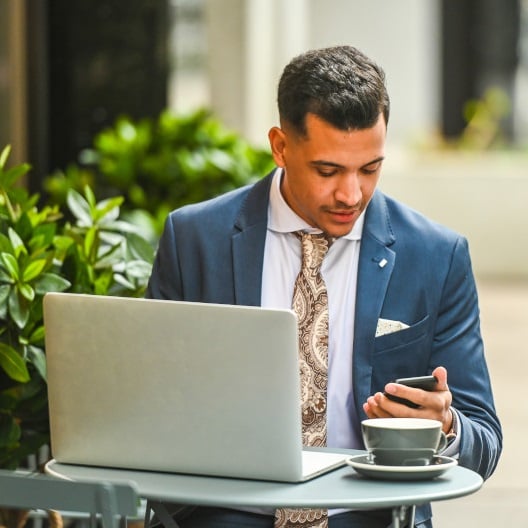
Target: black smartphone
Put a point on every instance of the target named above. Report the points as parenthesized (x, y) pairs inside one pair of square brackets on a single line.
[(427, 383)]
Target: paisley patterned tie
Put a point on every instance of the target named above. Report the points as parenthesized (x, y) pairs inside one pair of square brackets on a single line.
[(310, 303)]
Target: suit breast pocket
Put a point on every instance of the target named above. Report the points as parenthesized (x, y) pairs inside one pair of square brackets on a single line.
[(401, 354), (409, 337)]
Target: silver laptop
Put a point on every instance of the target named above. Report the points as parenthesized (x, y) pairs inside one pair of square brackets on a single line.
[(178, 387)]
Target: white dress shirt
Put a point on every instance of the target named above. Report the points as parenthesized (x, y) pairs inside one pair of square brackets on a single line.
[(282, 262)]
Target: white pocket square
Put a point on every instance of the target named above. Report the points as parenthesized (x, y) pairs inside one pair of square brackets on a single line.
[(387, 326)]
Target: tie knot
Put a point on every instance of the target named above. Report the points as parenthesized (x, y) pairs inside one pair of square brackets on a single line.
[(314, 247)]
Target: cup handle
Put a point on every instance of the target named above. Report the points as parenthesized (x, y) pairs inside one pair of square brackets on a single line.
[(442, 443)]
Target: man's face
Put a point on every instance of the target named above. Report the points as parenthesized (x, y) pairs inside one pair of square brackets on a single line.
[(329, 174)]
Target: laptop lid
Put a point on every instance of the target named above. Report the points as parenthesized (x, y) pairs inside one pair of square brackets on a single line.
[(174, 386)]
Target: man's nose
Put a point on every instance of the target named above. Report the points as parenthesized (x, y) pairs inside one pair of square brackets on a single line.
[(348, 191)]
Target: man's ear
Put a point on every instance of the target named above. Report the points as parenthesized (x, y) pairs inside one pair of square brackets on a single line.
[(277, 140)]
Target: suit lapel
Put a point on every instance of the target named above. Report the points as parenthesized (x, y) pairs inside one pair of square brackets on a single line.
[(376, 262), (248, 244)]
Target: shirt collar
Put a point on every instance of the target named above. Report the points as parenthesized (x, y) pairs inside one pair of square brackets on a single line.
[(282, 219)]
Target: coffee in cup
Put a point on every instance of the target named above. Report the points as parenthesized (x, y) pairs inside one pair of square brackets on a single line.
[(403, 441)]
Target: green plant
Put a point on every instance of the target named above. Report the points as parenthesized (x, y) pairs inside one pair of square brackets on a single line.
[(484, 118), (164, 163), (96, 253), (484, 130)]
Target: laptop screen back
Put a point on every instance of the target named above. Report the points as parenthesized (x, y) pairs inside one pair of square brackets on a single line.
[(173, 386)]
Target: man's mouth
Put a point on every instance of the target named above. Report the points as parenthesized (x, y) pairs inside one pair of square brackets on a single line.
[(344, 215)]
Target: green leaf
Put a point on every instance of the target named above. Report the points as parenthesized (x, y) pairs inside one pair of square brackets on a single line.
[(16, 242), (112, 258), (27, 291), (138, 269), (80, 208), (38, 359), (140, 248), (103, 282), (5, 244), (37, 336), (5, 289), (11, 265), (4, 292), (90, 197), (51, 282), (90, 240), (33, 270), (9, 431), (108, 210), (15, 173), (6, 278), (23, 226), (42, 236), (13, 364), (4, 156), (18, 309), (63, 242), (123, 281), (111, 238)]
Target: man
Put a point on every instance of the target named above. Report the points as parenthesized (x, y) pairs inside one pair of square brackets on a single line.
[(401, 295)]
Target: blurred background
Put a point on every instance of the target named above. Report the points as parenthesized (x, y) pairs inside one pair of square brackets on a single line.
[(457, 73)]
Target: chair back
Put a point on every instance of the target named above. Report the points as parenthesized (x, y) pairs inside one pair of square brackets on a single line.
[(26, 490)]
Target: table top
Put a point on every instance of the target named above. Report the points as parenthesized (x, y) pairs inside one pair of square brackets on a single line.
[(341, 488)]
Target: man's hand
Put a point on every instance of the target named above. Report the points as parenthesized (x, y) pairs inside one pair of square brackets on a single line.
[(434, 404)]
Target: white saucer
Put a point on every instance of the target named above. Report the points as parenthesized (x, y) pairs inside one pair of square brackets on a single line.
[(363, 465)]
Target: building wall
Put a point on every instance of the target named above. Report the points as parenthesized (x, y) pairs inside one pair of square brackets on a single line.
[(13, 79), (251, 42), (4, 88), (403, 37)]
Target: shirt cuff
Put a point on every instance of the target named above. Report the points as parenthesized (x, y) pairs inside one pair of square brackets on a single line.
[(452, 449)]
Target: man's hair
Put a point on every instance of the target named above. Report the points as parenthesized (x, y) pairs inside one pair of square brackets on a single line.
[(339, 84)]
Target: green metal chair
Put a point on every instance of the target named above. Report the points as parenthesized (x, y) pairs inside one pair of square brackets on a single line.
[(27, 490)]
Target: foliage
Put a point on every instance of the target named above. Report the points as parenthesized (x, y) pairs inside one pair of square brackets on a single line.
[(164, 163), (96, 253), (484, 128), (484, 121), (80, 239)]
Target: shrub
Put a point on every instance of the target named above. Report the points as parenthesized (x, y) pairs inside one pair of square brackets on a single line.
[(164, 163), (95, 252)]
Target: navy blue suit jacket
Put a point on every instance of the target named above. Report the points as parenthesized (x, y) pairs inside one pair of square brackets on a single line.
[(213, 252)]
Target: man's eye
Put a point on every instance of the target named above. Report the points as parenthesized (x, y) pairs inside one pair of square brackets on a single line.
[(371, 169), (368, 171), (325, 173)]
